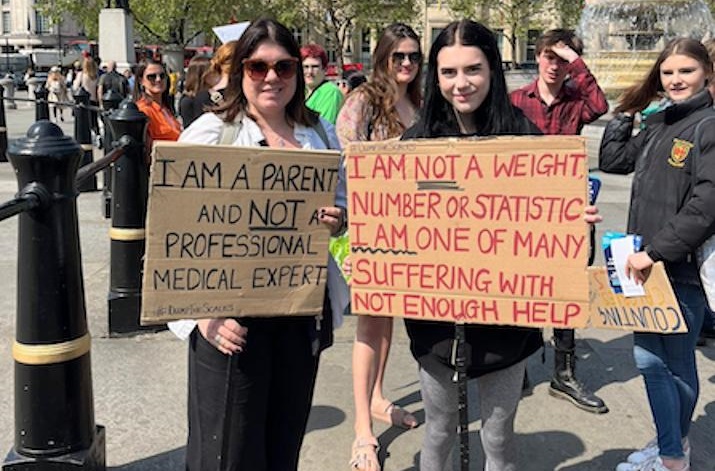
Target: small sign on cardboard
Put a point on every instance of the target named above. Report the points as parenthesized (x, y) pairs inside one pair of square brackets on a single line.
[(233, 231), (476, 231), (657, 311)]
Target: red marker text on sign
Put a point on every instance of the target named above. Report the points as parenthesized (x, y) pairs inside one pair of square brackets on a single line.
[(540, 312), (458, 309)]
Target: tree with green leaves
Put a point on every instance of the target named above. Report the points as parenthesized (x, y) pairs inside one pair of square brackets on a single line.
[(336, 20), (570, 12), (517, 16)]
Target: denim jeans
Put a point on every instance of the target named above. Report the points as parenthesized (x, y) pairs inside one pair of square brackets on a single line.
[(667, 363)]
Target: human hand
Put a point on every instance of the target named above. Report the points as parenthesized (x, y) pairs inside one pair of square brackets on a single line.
[(565, 52), (226, 334), (638, 266), (332, 217), (347, 268), (590, 214)]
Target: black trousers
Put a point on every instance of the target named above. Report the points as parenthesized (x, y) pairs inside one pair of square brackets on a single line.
[(565, 340), (272, 390)]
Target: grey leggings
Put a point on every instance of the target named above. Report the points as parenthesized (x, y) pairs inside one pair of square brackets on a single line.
[(499, 395)]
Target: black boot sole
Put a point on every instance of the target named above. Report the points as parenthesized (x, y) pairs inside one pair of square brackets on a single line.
[(562, 395)]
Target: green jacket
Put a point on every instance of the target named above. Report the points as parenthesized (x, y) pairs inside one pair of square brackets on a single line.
[(326, 100)]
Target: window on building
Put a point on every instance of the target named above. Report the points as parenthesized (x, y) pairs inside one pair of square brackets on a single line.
[(42, 24), (531, 38), (500, 39), (5, 2), (330, 49), (364, 47), (435, 33), (6, 25), (298, 35)]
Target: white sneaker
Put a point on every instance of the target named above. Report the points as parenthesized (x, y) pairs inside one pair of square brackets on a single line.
[(650, 452), (655, 464)]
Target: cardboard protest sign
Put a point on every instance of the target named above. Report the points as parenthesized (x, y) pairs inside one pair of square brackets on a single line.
[(477, 231), (234, 231), (657, 311)]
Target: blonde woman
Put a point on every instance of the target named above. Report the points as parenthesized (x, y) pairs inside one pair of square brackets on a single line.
[(380, 109), (57, 92)]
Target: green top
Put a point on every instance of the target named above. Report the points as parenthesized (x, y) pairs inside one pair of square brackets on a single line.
[(326, 100)]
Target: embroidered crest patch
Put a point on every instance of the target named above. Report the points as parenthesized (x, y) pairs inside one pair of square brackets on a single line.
[(679, 152)]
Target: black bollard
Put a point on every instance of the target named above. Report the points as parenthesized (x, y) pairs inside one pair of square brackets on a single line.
[(130, 180), (54, 411), (42, 107), (3, 127), (110, 101), (83, 135)]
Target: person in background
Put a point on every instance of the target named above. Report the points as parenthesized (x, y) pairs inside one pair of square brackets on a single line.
[(274, 376), (323, 96), (57, 93), (112, 80), (174, 80), (563, 98), (29, 73), (129, 75), (215, 79), (152, 98), (87, 79), (350, 81), (672, 207), (380, 109), (189, 108)]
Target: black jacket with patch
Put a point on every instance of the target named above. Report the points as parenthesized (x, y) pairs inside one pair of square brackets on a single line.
[(673, 192)]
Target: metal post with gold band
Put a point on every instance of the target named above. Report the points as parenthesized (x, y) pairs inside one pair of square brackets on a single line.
[(3, 127), (54, 410), (83, 135), (130, 180)]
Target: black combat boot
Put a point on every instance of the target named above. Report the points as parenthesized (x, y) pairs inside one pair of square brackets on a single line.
[(564, 385)]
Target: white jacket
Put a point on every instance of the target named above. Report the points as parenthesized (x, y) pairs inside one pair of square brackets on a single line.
[(207, 129)]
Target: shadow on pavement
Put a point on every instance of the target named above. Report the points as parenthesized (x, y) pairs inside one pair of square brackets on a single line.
[(323, 417), (172, 460)]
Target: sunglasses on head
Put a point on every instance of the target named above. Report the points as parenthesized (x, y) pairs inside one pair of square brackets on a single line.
[(399, 57), (257, 69), (153, 77)]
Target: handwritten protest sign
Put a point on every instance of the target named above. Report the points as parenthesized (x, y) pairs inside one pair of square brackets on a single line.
[(657, 311), (234, 232), (476, 231)]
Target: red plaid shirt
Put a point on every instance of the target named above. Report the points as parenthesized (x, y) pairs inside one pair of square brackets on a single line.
[(580, 101)]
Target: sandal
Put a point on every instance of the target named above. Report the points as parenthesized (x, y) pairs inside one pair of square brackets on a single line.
[(396, 416), (364, 454)]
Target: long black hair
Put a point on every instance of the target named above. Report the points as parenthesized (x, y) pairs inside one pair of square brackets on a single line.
[(496, 115)]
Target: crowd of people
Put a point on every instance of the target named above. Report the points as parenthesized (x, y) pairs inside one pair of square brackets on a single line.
[(266, 90)]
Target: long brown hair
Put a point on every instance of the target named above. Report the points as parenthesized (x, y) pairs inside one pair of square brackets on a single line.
[(637, 97), (258, 32), (381, 87), (197, 67)]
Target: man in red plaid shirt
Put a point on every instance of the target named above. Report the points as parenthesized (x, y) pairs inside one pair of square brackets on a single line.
[(563, 98)]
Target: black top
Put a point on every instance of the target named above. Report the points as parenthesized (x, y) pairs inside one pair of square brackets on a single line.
[(489, 347), (673, 191), (191, 108)]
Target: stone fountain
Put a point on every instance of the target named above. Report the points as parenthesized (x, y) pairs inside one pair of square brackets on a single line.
[(623, 38)]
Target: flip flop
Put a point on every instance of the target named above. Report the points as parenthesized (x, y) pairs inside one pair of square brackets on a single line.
[(364, 454), (396, 416)]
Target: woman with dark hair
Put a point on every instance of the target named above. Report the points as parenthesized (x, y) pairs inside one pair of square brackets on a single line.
[(380, 109), (151, 95), (673, 209), (466, 95), (189, 106), (274, 374)]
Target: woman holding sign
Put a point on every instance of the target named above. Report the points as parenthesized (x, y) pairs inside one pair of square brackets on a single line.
[(466, 95), (273, 361), (673, 209), (380, 109)]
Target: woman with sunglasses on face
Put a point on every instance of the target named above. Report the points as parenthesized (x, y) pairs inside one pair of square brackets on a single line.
[(380, 109), (673, 208), (277, 358), (152, 98), (466, 95)]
